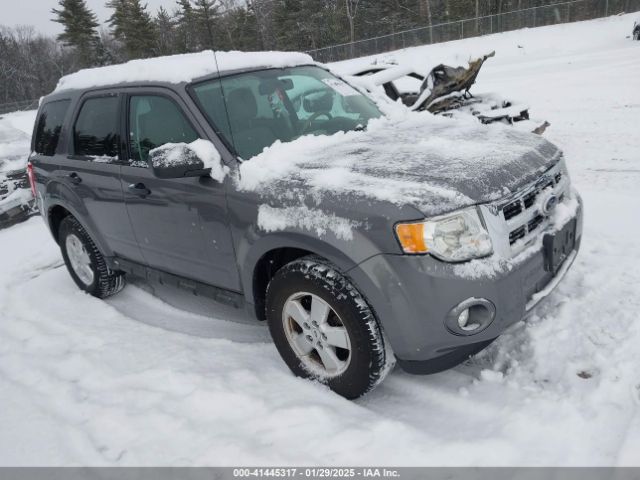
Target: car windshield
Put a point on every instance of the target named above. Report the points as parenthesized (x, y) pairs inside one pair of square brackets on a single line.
[(281, 104)]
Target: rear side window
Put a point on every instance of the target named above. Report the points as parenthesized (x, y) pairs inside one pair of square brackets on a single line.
[(95, 133), (49, 127), (154, 121)]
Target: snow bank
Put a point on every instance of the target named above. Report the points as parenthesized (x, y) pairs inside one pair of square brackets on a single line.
[(171, 154), (22, 121), (20, 196), (272, 219), (15, 139), (179, 68), (433, 163)]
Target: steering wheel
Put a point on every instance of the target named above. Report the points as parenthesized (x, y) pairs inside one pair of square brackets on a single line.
[(311, 119)]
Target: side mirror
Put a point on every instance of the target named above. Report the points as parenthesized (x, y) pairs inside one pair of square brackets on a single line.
[(176, 160)]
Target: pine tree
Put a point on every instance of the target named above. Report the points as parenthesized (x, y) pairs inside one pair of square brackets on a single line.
[(185, 27), (119, 19), (132, 26), (241, 25), (143, 32), (79, 29), (166, 38), (206, 15)]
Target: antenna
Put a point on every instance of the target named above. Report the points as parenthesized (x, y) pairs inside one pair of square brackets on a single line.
[(224, 101)]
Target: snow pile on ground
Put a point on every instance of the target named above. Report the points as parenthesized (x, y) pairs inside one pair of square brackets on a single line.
[(179, 68), (430, 162), (20, 196), (15, 139), (134, 381)]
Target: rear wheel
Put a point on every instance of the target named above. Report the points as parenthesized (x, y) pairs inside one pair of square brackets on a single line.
[(324, 329), (84, 261)]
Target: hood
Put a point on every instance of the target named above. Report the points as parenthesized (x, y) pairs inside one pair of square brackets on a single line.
[(434, 164)]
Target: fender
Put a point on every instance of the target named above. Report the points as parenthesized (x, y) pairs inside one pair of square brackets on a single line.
[(250, 252), (59, 194)]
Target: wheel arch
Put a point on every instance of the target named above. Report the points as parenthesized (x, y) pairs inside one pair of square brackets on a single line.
[(276, 250), (58, 211), (55, 215)]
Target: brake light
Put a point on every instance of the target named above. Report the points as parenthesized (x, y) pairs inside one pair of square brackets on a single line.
[(32, 178)]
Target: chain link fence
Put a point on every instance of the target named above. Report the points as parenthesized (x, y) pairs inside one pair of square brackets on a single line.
[(564, 12), (21, 105)]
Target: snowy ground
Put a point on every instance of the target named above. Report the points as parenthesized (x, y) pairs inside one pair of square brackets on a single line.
[(134, 381)]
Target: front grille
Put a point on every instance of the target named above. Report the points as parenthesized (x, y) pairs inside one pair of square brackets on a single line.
[(512, 210), (522, 213), (517, 234), (535, 223)]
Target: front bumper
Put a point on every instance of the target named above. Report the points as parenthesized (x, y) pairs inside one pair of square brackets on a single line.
[(412, 295)]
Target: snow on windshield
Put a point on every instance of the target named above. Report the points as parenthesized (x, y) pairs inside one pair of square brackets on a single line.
[(433, 163), (179, 68)]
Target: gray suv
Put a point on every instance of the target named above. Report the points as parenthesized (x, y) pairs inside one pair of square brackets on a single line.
[(380, 246)]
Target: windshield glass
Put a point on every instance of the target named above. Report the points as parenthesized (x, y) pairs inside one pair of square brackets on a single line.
[(281, 104)]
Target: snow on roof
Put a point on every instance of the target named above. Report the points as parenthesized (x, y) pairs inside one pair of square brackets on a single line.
[(179, 68)]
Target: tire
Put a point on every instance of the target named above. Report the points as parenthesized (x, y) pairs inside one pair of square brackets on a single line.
[(93, 276), (636, 34), (311, 290)]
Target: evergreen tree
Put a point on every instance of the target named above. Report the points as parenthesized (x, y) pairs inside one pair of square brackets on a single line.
[(143, 32), (307, 24), (132, 26), (166, 38), (206, 15), (186, 34), (79, 29), (241, 25)]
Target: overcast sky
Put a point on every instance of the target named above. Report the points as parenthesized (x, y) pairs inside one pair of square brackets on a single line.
[(38, 12)]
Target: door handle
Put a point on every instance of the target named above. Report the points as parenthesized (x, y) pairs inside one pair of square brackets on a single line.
[(74, 178), (139, 189)]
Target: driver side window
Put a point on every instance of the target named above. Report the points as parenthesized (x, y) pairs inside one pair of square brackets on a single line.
[(154, 121)]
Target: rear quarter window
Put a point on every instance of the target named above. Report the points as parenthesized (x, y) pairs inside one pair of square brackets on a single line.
[(49, 126)]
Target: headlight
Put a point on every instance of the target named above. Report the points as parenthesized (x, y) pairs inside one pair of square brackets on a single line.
[(455, 237)]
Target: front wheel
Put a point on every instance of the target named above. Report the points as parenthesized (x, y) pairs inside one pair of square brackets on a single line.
[(324, 329), (84, 261)]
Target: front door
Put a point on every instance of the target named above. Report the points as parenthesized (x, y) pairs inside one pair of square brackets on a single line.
[(169, 216)]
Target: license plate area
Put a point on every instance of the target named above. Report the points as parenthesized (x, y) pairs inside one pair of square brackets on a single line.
[(558, 246)]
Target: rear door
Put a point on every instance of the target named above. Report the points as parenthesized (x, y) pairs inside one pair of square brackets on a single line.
[(92, 170), (181, 224)]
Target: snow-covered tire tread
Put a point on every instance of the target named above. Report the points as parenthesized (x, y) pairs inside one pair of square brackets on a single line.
[(106, 282), (324, 274)]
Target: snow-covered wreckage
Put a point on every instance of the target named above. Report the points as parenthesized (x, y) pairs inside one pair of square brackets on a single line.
[(266, 182), (443, 90), (16, 199)]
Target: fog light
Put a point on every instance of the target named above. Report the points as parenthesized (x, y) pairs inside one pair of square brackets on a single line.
[(463, 321), (470, 316)]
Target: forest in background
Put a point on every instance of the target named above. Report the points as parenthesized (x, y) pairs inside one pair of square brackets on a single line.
[(32, 63)]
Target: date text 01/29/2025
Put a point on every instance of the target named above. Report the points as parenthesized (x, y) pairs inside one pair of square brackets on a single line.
[(315, 473)]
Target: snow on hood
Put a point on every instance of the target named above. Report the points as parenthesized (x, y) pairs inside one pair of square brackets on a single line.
[(432, 163), (179, 68)]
